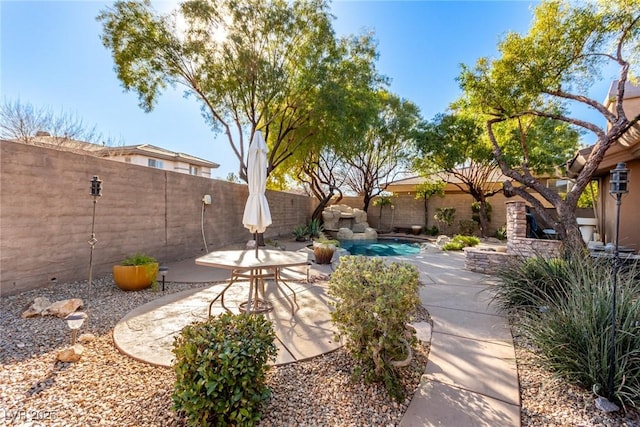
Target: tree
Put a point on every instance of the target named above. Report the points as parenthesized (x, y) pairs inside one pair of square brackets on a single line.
[(27, 123), (273, 66), (318, 173), (427, 190), (526, 95), (385, 149), (453, 144), (384, 198)]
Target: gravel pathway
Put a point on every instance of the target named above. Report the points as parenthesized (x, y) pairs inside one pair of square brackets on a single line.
[(107, 388)]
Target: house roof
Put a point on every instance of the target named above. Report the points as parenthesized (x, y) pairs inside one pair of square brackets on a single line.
[(626, 148), (630, 91), (68, 144), (157, 152), (496, 177)]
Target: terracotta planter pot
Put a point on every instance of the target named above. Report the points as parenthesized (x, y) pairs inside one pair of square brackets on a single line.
[(135, 277)]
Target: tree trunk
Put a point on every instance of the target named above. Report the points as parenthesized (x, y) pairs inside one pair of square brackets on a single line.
[(483, 217), (426, 212), (366, 201)]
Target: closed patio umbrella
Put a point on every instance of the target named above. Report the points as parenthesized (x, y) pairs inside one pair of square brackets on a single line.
[(257, 216)]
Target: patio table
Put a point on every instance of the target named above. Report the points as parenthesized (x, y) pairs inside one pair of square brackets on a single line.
[(245, 264)]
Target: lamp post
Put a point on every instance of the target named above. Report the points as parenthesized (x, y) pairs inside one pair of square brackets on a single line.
[(96, 191), (619, 182), (74, 322), (163, 269)]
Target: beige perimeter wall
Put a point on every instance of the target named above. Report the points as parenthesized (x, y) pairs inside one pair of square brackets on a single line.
[(46, 215)]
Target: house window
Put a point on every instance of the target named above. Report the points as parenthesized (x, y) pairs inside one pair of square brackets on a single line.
[(193, 170), (154, 163)]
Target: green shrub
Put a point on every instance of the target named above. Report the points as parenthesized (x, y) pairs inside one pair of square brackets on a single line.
[(501, 233), (533, 282), (221, 367), (467, 227), (373, 303), (475, 209), (433, 231), (138, 259), (459, 242), (453, 246), (574, 333), (566, 304), (467, 240)]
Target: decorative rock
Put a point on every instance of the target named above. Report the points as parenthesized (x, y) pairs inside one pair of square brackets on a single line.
[(86, 338), (370, 234), (359, 228), (37, 307), (442, 240), (605, 405), (345, 234), (63, 308), (71, 354)]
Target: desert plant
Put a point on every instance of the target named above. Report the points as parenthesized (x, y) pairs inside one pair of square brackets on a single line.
[(574, 333), (373, 302), (221, 368), (533, 281), (453, 246), (315, 228), (501, 233), (300, 232)]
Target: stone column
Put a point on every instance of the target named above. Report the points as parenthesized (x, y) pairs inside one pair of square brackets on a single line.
[(516, 223)]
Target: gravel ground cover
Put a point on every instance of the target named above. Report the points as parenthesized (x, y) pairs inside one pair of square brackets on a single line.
[(106, 388)]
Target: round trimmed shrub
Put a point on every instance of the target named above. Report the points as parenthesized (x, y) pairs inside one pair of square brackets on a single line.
[(221, 368)]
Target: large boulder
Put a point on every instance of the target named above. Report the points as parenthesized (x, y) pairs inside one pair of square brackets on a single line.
[(36, 308), (344, 234)]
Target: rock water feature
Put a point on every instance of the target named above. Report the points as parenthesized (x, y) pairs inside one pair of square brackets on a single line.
[(346, 223)]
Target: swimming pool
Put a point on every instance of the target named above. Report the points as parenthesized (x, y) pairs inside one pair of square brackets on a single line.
[(381, 247)]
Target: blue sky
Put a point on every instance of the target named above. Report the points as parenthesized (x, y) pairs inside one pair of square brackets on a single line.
[(51, 55)]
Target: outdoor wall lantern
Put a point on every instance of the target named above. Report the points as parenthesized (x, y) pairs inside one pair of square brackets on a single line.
[(619, 185), (96, 186), (74, 322), (163, 270), (619, 180)]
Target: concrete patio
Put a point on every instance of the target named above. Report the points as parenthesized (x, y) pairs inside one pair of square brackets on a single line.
[(470, 379)]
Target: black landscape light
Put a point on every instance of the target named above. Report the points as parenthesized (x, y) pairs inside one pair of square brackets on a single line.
[(619, 185), (96, 191), (163, 269)]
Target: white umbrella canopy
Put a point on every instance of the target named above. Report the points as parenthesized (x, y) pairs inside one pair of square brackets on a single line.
[(257, 216)]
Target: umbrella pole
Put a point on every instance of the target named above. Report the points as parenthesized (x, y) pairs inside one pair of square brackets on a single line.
[(255, 239)]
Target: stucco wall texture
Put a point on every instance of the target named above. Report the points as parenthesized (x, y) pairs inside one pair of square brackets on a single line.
[(46, 215)]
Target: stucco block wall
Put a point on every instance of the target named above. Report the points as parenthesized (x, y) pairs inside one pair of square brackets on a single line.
[(629, 231), (409, 211), (46, 214)]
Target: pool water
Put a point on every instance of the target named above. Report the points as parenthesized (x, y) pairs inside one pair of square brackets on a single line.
[(391, 247)]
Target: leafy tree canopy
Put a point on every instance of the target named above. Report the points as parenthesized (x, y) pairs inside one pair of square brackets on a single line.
[(526, 95), (274, 66)]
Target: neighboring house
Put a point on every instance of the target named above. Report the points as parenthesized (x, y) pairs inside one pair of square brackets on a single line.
[(160, 158), (142, 155), (626, 149)]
